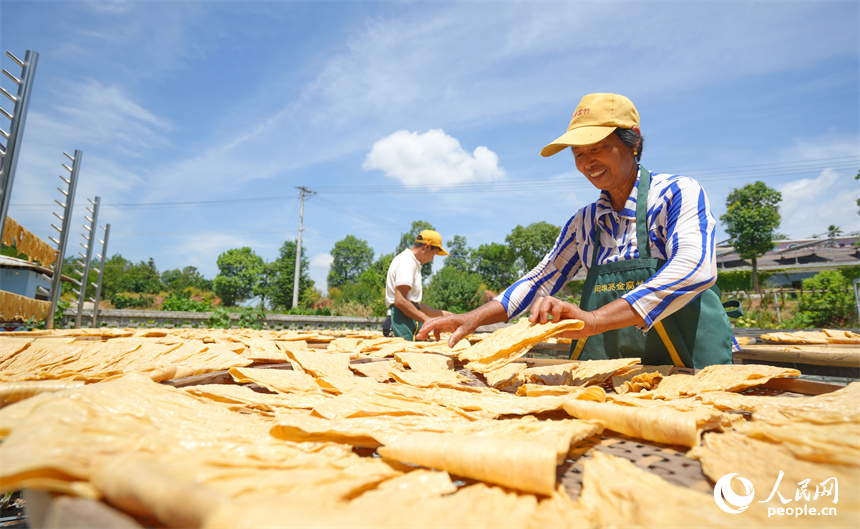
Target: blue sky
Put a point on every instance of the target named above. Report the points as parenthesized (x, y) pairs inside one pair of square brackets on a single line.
[(198, 120)]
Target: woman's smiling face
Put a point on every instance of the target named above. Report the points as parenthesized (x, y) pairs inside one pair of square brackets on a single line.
[(609, 165)]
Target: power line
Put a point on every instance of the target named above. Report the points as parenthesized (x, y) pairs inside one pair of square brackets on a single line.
[(183, 233), (226, 201), (358, 215)]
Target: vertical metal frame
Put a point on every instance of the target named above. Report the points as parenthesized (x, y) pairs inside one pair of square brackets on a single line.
[(98, 283), (62, 242), (18, 117), (91, 239)]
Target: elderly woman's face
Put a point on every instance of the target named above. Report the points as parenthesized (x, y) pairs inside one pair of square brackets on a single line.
[(608, 164)]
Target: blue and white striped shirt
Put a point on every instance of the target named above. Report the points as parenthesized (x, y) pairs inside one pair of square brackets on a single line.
[(681, 231)]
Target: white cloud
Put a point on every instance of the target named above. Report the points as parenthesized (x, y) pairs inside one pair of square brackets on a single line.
[(810, 205), (432, 159), (315, 89), (322, 260)]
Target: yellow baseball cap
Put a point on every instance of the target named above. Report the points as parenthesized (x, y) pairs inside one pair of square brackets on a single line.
[(594, 119), (433, 239)]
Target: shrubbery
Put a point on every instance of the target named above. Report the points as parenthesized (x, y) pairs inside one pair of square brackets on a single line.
[(455, 291), (249, 318), (124, 301), (181, 301), (827, 301)]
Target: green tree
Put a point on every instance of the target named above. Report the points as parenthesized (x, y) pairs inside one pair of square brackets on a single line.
[(282, 281), (530, 244), (455, 291), (827, 301), (72, 268), (177, 280), (833, 231), (458, 254), (142, 278), (408, 239), (238, 272), (10, 251), (309, 297), (364, 292), (368, 291), (496, 264), (380, 270), (350, 257), (180, 300), (263, 286), (751, 219), (742, 280), (114, 274)]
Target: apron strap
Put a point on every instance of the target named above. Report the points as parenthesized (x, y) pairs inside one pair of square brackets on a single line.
[(670, 345), (577, 351), (642, 241)]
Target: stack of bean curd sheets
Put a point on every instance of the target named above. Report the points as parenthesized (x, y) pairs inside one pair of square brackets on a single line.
[(252, 429)]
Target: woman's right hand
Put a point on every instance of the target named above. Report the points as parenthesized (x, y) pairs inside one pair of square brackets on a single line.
[(462, 325)]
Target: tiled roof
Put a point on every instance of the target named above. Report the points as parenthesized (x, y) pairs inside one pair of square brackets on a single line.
[(806, 254)]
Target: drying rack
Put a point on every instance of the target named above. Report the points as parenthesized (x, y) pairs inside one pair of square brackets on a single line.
[(15, 306)]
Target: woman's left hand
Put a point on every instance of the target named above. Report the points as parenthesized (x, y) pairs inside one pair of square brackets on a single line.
[(614, 315)]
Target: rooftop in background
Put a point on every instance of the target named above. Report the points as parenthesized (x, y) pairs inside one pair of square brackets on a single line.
[(807, 255), (14, 262)]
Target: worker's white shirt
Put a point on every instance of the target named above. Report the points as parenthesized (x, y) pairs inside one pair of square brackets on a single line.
[(404, 270)]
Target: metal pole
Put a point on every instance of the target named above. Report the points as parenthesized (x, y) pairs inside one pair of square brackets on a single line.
[(299, 247), (82, 295), (776, 304), (98, 284), (856, 284), (16, 130), (57, 279)]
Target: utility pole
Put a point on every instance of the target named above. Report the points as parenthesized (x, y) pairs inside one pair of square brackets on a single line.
[(305, 191)]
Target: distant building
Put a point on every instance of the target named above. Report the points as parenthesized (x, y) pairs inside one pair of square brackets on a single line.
[(800, 258), (23, 277)]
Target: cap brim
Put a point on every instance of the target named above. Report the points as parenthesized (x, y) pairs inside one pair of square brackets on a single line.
[(577, 137), (441, 251)]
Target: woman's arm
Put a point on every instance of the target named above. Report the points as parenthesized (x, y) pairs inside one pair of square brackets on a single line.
[(614, 315), (461, 325), (554, 271), (685, 222)]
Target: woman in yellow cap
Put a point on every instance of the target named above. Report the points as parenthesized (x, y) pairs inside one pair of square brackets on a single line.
[(647, 244)]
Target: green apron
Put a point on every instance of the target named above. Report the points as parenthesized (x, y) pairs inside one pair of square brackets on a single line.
[(402, 325), (697, 335)]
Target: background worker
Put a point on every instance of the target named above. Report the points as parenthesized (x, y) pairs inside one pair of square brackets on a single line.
[(647, 244), (403, 285)]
